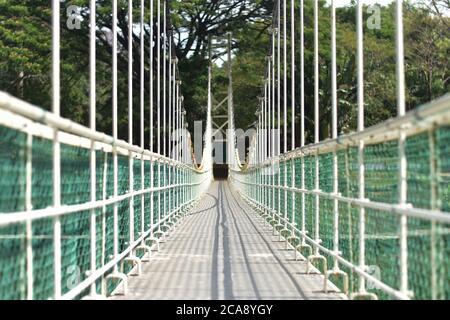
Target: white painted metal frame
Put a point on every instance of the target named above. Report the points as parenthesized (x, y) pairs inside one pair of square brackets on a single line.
[(36, 122)]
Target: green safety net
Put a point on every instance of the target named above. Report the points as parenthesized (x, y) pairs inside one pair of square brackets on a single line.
[(428, 187), (75, 227)]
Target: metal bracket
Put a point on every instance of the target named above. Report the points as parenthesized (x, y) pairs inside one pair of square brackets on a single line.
[(300, 247), (313, 258), (121, 277), (136, 261), (162, 233), (156, 240), (290, 239), (280, 233), (146, 248), (336, 272)]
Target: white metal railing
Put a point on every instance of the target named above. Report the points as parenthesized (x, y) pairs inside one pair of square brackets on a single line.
[(299, 210), (175, 184)]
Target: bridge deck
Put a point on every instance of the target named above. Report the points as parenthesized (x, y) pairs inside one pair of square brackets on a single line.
[(221, 251)]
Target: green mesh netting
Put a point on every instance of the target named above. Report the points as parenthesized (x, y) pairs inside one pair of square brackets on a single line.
[(428, 186), (75, 227)]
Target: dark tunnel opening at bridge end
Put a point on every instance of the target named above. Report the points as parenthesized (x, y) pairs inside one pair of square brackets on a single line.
[(220, 171)]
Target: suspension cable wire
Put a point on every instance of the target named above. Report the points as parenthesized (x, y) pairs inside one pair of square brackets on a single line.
[(169, 123), (403, 166), (293, 115), (169, 173), (164, 92), (334, 130), (151, 77), (316, 118), (265, 134), (360, 103), (269, 105), (142, 117), (92, 125), (273, 116), (302, 118), (285, 111), (334, 134), (56, 89), (273, 104), (115, 136), (285, 84), (158, 89), (130, 119), (164, 105), (278, 19)]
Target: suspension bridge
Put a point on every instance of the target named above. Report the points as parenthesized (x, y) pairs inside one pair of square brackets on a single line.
[(86, 215)]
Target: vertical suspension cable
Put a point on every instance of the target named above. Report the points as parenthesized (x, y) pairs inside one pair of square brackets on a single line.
[(269, 104), (177, 140), (165, 78), (273, 115), (142, 114), (278, 17), (56, 146), (285, 84), (316, 117), (292, 74), (152, 46), (158, 85), (285, 109), (279, 79), (115, 136), (403, 184), (175, 102), (360, 103), (302, 116), (130, 119), (293, 111), (158, 106), (92, 125), (334, 130), (265, 121), (265, 138), (170, 121)]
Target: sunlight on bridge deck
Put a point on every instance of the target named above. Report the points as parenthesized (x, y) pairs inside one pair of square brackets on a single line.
[(222, 250)]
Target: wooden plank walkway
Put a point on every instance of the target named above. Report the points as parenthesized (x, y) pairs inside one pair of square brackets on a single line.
[(222, 250)]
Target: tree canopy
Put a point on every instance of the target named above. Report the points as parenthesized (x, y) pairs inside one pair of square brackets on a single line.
[(25, 66)]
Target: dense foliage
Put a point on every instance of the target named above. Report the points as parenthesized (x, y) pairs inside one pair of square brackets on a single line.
[(25, 42)]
